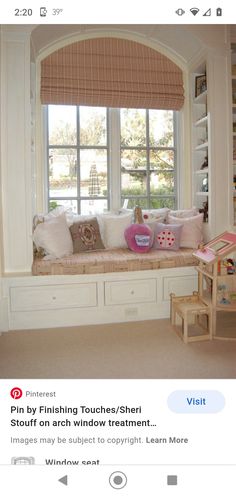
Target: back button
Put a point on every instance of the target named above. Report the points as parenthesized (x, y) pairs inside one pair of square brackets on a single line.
[(64, 480)]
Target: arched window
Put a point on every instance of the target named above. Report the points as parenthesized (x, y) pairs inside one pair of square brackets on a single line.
[(111, 107)]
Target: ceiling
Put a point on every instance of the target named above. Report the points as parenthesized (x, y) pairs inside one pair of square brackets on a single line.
[(184, 40)]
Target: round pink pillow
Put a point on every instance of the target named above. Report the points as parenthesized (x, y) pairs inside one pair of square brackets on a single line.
[(139, 237)]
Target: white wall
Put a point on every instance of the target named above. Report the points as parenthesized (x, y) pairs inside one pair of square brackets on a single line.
[(15, 151)]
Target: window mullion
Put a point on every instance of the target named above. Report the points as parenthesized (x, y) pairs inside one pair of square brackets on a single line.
[(78, 158), (114, 159), (148, 159)]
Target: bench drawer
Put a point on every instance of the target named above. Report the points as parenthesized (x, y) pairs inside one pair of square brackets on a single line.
[(181, 286), (126, 292), (30, 298)]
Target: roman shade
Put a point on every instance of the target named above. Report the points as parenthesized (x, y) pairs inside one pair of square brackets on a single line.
[(111, 72)]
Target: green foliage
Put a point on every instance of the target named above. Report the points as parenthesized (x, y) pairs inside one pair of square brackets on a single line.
[(154, 202), (138, 191), (53, 204), (157, 201)]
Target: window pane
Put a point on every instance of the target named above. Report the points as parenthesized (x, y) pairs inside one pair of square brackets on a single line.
[(147, 168), (62, 172), (132, 160), (93, 173), (133, 127), (162, 202), (93, 123), (134, 183), (133, 202), (68, 204), (161, 129), (91, 207), (62, 125), (161, 183), (162, 159)]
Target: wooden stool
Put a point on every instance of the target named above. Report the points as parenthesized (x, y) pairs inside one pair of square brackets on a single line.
[(189, 308)]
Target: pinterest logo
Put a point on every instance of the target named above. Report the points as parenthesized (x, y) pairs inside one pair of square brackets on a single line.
[(16, 393)]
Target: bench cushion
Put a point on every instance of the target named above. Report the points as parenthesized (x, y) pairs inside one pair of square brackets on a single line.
[(116, 260)]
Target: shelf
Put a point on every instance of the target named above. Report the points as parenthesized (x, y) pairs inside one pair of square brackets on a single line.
[(231, 307), (202, 171), (221, 276), (203, 146), (201, 122), (202, 98)]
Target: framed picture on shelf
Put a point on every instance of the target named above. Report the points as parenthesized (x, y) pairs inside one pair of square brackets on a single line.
[(200, 84)]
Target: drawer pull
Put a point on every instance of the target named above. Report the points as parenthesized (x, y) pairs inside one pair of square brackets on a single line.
[(132, 292)]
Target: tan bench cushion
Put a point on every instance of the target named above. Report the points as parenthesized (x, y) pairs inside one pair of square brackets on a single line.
[(116, 260)]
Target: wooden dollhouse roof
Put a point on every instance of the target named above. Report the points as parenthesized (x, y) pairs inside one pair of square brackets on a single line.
[(217, 248)]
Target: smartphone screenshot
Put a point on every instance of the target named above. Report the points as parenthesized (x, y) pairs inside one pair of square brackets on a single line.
[(117, 248)]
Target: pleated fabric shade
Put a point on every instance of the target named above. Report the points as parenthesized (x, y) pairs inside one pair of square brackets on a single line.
[(111, 72)]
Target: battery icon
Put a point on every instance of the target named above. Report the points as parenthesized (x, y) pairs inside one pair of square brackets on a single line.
[(219, 12)]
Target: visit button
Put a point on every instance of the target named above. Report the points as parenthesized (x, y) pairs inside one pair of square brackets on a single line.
[(196, 401)]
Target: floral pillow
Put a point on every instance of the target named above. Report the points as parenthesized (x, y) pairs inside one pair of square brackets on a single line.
[(86, 236), (155, 215), (167, 237)]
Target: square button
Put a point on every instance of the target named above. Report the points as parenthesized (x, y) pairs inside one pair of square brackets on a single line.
[(171, 480)]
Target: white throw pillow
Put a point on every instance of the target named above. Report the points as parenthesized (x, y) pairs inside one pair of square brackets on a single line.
[(54, 237), (189, 212), (155, 215), (113, 229), (191, 234)]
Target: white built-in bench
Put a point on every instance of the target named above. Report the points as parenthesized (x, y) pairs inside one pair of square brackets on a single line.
[(111, 286)]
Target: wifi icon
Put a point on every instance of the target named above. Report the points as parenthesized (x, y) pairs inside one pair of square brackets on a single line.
[(194, 11)]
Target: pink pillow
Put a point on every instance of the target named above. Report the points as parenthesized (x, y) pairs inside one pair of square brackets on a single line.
[(167, 237), (191, 234), (139, 237)]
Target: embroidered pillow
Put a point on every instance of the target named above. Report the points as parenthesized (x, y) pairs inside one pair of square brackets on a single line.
[(86, 236), (167, 237), (191, 234)]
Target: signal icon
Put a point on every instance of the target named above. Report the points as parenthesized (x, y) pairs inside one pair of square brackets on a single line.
[(194, 11)]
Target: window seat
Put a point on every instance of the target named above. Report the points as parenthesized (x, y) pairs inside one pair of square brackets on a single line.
[(115, 260)]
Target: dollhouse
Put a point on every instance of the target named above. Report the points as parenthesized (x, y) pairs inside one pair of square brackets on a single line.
[(216, 289)]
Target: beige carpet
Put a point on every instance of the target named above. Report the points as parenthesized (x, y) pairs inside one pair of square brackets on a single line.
[(138, 350)]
